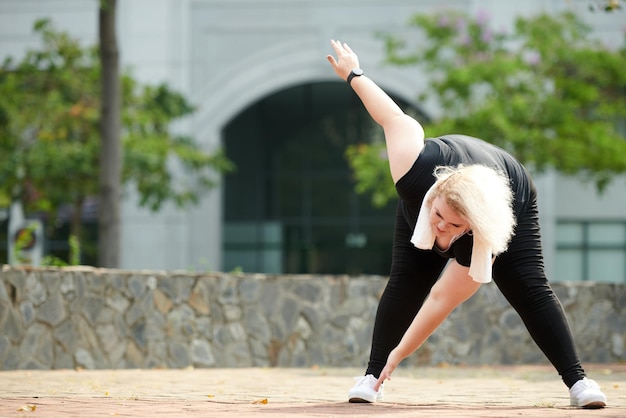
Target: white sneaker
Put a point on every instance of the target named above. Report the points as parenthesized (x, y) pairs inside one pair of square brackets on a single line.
[(363, 390), (587, 394)]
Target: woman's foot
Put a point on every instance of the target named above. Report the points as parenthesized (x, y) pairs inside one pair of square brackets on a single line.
[(363, 390), (586, 393)]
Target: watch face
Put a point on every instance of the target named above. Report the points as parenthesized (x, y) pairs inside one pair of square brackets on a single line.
[(357, 71)]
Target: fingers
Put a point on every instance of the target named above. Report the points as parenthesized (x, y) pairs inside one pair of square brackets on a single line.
[(339, 51), (385, 374), (381, 380), (340, 48), (337, 47), (345, 59)]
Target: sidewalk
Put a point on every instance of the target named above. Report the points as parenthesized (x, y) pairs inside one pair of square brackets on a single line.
[(534, 391)]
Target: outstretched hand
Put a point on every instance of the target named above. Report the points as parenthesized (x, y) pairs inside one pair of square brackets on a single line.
[(346, 60), (384, 375), (392, 362)]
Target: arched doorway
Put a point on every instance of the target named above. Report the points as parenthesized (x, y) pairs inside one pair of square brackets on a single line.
[(291, 206)]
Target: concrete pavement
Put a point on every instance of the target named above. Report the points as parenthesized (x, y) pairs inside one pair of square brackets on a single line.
[(534, 391)]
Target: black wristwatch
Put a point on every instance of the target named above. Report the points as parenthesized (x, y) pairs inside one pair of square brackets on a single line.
[(356, 72)]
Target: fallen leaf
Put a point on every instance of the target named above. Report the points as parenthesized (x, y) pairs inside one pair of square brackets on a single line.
[(260, 401), (210, 396), (27, 408)]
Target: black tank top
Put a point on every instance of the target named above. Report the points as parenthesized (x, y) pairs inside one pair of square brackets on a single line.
[(452, 150)]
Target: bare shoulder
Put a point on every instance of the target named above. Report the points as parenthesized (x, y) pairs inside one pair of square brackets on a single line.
[(405, 140)]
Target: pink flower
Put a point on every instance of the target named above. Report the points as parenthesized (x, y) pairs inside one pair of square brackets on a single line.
[(482, 17), (486, 36), (531, 57), (460, 24)]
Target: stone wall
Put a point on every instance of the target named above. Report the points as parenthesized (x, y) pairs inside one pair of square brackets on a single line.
[(94, 318)]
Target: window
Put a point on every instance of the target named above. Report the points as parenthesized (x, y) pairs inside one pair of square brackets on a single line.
[(290, 207), (591, 251)]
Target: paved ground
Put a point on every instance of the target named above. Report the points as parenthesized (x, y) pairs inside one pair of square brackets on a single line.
[(446, 392)]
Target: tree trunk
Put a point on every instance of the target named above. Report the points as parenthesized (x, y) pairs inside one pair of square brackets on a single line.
[(75, 239), (111, 152)]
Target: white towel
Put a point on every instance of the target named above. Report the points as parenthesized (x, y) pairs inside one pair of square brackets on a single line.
[(424, 239)]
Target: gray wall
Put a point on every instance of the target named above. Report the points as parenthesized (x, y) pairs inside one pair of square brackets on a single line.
[(96, 319)]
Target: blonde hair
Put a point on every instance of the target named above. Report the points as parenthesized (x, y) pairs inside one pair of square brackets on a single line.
[(483, 197)]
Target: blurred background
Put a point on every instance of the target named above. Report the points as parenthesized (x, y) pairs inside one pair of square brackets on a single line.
[(243, 151)]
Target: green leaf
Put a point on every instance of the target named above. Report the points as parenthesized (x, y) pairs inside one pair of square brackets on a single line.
[(548, 93), (50, 140)]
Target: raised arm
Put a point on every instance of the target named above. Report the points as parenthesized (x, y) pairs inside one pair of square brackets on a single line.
[(404, 136), (453, 288)]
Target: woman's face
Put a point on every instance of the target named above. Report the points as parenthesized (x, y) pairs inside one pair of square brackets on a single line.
[(445, 221)]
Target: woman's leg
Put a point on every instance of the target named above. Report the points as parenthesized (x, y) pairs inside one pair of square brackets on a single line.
[(519, 274), (413, 273)]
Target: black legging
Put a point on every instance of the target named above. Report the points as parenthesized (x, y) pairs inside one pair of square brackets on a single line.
[(518, 273)]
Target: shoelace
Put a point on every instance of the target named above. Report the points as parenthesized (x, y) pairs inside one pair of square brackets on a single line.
[(362, 380), (583, 385), (366, 381), (586, 385), (589, 384)]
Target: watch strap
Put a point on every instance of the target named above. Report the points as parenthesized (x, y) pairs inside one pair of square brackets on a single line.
[(357, 72)]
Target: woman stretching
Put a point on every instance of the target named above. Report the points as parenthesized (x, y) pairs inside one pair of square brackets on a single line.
[(470, 207)]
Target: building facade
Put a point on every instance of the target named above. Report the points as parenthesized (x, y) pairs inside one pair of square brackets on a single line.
[(257, 71)]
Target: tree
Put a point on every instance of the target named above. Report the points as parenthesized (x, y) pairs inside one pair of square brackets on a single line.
[(50, 105), (605, 5), (110, 155), (548, 93), (48, 138)]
